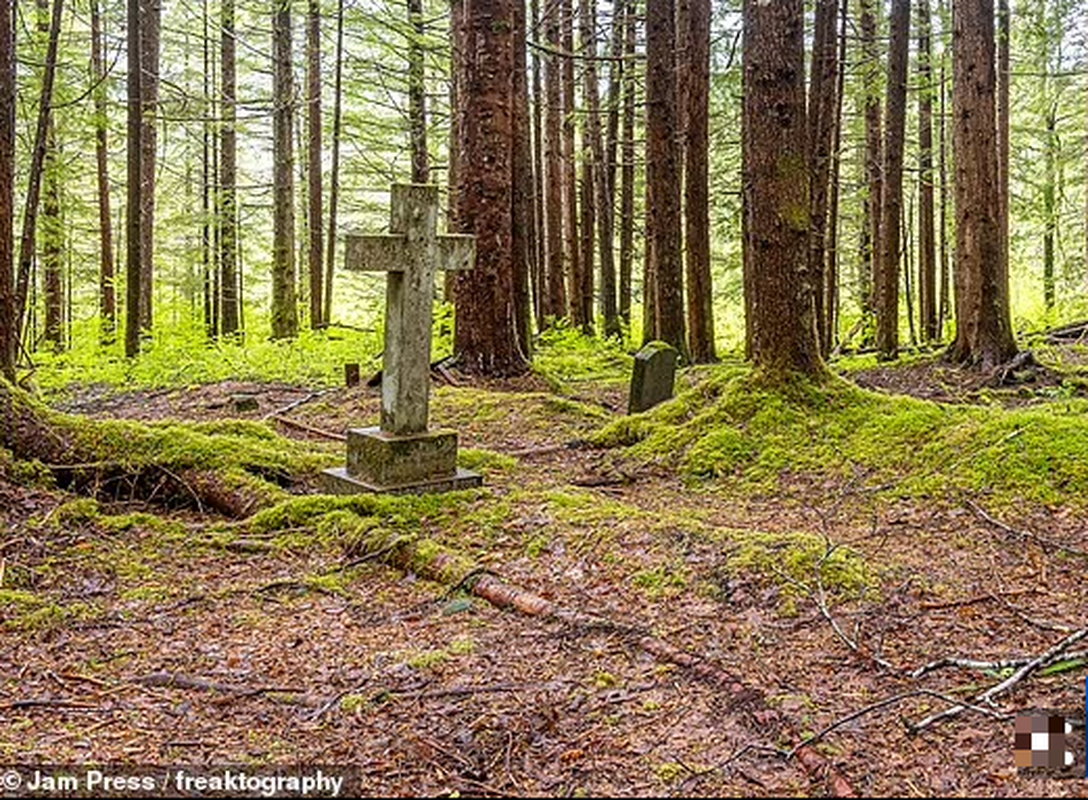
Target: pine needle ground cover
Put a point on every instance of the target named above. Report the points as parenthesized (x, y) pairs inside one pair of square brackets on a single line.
[(819, 543)]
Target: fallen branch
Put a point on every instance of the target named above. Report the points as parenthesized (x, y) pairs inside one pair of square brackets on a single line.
[(1035, 537), (994, 666), (1051, 655), (37, 702), (175, 680), (302, 426), (292, 406)]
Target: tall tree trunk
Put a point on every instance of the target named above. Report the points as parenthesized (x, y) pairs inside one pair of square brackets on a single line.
[(944, 311), (107, 295), (37, 169), (664, 264), (697, 185), (1050, 217), (417, 109), (453, 172), (570, 172), (284, 311), (887, 331), (150, 26), (606, 181), (776, 192), (334, 171), (210, 297), (314, 171), (523, 233), (627, 169), (983, 331), (538, 276), (927, 241), (821, 132), (874, 155), (592, 156), (486, 340), (228, 176), (53, 246), (556, 305), (1004, 76), (133, 178), (9, 331), (831, 282)]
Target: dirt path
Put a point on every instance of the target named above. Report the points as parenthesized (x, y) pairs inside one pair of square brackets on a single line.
[(429, 692)]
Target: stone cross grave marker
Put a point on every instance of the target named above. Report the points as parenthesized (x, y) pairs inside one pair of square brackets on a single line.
[(653, 376), (402, 455)]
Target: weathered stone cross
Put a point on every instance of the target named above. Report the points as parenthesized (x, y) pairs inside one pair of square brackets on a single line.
[(402, 455)]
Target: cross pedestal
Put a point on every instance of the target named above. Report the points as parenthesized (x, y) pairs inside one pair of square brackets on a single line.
[(402, 456)]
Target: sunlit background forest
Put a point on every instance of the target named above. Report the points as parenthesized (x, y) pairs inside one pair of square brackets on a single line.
[(364, 71)]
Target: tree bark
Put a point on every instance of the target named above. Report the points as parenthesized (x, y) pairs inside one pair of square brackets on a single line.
[(334, 170), (983, 331), (944, 311), (107, 296), (821, 131), (571, 245), (486, 341), (284, 311), (314, 167), (150, 27), (53, 246), (538, 277), (134, 157), (523, 232), (664, 264), (606, 191), (697, 185), (1003, 79), (556, 296), (228, 176), (874, 156), (627, 169), (1050, 217), (927, 241), (887, 331), (592, 157), (776, 191), (9, 330), (417, 96)]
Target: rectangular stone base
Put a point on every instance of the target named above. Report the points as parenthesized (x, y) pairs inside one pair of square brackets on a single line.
[(378, 458), (337, 481)]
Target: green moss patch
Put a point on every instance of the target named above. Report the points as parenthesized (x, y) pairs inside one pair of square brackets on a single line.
[(734, 427)]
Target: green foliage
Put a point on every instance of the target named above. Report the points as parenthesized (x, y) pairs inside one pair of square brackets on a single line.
[(565, 355), (734, 427), (181, 355)]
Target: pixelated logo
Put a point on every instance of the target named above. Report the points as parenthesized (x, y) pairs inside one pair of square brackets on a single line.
[(1050, 743)]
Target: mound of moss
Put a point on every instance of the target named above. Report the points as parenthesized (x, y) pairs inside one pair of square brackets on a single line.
[(735, 427)]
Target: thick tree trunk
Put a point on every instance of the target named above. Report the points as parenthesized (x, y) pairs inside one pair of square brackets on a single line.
[(927, 241), (453, 173), (697, 185), (314, 164), (821, 132), (627, 169), (9, 331), (1004, 77), (486, 340), (556, 295), (887, 331), (874, 157), (983, 331), (945, 310), (228, 177), (776, 191), (334, 169), (150, 27), (538, 277), (107, 295), (831, 282), (284, 311), (664, 264)]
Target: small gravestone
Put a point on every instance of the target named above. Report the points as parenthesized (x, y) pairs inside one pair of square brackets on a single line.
[(244, 403), (402, 456), (653, 377)]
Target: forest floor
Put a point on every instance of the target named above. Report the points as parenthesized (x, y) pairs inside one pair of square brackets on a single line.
[(145, 641)]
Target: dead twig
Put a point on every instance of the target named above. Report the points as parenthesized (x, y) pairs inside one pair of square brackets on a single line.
[(302, 426), (994, 666), (1035, 537), (1051, 655), (45, 702), (292, 406), (175, 680)]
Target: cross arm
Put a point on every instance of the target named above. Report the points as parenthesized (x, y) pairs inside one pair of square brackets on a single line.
[(391, 252)]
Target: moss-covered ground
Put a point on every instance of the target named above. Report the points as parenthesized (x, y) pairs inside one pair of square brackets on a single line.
[(736, 522)]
